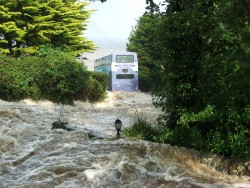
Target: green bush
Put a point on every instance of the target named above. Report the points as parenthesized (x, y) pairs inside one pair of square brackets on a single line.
[(62, 77), (102, 78), (140, 129), (235, 143), (53, 74), (144, 81), (95, 91), (187, 137), (19, 78), (239, 142)]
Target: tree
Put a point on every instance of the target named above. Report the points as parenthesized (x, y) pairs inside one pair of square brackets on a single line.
[(27, 24), (204, 93), (143, 40)]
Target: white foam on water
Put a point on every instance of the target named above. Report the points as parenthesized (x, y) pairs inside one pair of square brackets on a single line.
[(92, 174), (33, 155)]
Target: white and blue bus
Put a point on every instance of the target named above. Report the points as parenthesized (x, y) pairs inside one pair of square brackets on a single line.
[(122, 69)]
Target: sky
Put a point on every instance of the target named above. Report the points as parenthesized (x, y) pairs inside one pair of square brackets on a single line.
[(110, 26)]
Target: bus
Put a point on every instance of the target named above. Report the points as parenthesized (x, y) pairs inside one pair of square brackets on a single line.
[(122, 69)]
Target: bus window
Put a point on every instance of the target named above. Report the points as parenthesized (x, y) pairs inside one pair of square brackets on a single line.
[(110, 59), (125, 76)]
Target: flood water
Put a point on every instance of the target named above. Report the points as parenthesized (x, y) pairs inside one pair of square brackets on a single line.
[(33, 155)]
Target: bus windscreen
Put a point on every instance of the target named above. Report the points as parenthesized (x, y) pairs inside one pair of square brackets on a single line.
[(124, 58)]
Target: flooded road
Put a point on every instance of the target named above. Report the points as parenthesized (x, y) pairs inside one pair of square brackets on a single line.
[(35, 156)]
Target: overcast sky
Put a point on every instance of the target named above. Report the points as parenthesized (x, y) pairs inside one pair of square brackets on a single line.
[(110, 25)]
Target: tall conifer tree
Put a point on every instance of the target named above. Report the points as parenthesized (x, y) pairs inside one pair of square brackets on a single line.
[(27, 24)]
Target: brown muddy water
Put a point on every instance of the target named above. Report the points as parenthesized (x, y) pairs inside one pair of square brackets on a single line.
[(33, 155)]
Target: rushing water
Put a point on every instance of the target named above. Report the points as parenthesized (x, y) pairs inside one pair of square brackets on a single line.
[(33, 155)]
